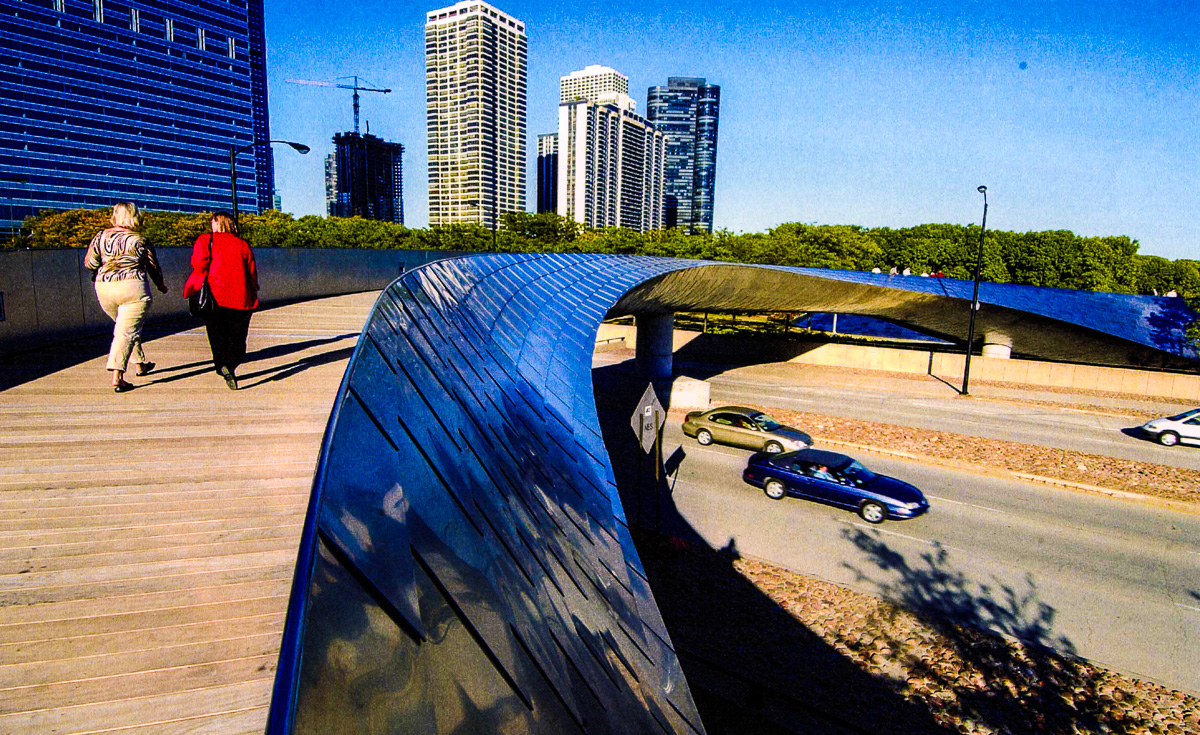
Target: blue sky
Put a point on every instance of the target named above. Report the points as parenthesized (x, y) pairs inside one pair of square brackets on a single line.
[(1076, 115)]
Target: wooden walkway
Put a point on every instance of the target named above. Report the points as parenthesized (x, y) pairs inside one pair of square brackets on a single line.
[(147, 539)]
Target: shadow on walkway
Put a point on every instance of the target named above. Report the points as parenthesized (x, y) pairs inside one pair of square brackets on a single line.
[(30, 364)]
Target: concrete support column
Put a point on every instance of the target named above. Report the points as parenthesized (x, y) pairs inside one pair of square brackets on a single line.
[(998, 345), (655, 344)]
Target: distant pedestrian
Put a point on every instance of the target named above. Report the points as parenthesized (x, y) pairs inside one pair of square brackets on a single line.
[(907, 272), (876, 270), (225, 260), (122, 265), (893, 271)]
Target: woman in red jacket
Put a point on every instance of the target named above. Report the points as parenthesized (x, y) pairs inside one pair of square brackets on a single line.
[(226, 261)]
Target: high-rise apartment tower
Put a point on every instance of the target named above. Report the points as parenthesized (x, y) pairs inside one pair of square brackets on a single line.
[(141, 100), (687, 111), (610, 162), (475, 79), (368, 178)]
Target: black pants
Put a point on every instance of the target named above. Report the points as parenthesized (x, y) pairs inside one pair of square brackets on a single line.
[(227, 329)]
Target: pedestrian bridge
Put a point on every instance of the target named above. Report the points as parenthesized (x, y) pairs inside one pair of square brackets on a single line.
[(150, 538)]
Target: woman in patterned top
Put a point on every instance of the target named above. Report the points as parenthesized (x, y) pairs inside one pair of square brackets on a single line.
[(122, 264)]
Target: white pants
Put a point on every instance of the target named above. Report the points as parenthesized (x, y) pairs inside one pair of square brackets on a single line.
[(126, 303)]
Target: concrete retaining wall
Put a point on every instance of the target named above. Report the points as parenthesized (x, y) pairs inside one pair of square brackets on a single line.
[(47, 295), (950, 367), (1024, 372)]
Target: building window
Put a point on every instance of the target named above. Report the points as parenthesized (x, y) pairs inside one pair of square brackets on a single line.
[(135, 20), (170, 28), (98, 11), (232, 48), (200, 39), (60, 6)]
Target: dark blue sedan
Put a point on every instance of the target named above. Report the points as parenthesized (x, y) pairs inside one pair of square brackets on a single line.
[(835, 479)]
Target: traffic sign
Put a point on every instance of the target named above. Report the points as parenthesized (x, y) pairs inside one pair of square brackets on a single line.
[(648, 418)]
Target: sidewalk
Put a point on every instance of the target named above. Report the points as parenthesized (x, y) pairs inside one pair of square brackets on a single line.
[(148, 539)]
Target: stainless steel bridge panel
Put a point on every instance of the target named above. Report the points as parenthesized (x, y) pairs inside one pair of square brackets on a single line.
[(466, 566)]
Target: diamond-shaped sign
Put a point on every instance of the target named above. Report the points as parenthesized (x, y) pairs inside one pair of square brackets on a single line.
[(648, 418)]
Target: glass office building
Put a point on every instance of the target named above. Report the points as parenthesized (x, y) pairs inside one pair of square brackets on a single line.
[(687, 111), (106, 100)]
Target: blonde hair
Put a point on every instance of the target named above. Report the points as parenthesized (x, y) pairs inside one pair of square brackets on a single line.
[(223, 222), (127, 215)]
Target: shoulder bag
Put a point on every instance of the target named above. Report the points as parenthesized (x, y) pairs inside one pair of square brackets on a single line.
[(201, 303)]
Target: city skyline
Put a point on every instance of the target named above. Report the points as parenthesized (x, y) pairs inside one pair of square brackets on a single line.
[(1076, 117)]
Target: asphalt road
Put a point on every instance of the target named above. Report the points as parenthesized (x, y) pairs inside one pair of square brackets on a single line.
[(1060, 428), (1112, 581)]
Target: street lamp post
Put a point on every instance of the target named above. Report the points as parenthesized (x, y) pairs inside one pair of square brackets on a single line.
[(235, 152), (975, 297)]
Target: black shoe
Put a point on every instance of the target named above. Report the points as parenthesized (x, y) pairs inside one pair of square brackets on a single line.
[(122, 387), (144, 368), (230, 379)]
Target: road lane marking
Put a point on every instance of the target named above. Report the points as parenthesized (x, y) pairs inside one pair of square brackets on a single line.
[(886, 532), (972, 505)]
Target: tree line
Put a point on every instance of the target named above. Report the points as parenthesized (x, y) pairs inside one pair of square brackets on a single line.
[(1056, 258)]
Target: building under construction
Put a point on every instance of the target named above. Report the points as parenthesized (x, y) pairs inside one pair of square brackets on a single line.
[(364, 178)]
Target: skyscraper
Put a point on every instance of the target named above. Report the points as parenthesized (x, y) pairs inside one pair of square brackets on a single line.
[(103, 101), (547, 173), (610, 159), (475, 79), (591, 82), (368, 178), (687, 111)]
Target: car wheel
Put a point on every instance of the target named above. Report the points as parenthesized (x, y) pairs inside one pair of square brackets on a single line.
[(1168, 438), (774, 489), (773, 447), (872, 512), (704, 436)]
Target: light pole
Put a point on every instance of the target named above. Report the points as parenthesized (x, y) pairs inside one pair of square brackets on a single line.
[(235, 152), (975, 297)]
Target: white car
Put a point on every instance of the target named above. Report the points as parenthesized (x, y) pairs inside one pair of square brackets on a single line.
[(1181, 429)]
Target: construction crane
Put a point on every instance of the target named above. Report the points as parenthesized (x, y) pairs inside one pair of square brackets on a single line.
[(356, 87)]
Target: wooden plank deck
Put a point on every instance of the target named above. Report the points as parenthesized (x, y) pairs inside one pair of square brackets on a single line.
[(147, 539)]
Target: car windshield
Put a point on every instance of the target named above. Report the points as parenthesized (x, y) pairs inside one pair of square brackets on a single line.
[(1184, 415), (857, 472), (765, 422)]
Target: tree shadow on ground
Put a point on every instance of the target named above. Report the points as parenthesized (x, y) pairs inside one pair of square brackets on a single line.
[(751, 666), (1027, 681)]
